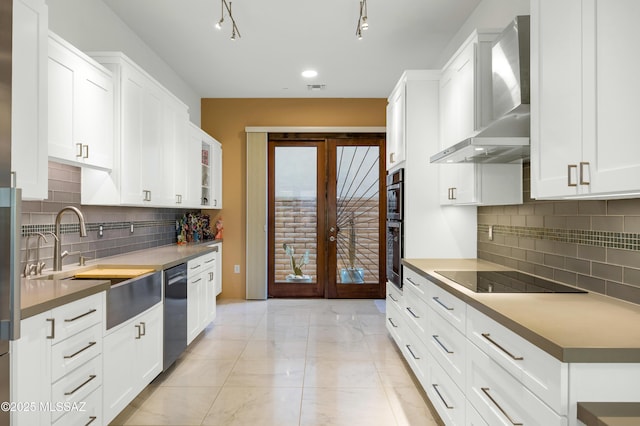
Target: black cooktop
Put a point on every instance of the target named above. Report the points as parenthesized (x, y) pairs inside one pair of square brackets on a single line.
[(506, 282)]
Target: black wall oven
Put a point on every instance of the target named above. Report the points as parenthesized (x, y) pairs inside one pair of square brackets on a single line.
[(395, 245)]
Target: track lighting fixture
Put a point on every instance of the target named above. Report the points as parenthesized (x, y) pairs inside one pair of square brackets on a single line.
[(234, 28), (363, 23)]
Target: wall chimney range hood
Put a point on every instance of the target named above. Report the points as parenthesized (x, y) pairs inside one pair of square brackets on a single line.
[(507, 138)]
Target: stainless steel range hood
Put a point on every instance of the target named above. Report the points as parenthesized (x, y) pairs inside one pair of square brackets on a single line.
[(506, 139)]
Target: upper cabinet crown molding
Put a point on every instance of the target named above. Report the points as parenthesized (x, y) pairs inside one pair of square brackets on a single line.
[(584, 99)]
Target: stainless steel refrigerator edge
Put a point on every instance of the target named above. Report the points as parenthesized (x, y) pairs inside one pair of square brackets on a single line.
[(10, 199)]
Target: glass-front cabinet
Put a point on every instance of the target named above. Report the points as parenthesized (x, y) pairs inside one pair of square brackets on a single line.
[(206, 178)]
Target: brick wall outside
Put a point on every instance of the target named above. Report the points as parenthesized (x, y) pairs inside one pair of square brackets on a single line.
[(295, 225)]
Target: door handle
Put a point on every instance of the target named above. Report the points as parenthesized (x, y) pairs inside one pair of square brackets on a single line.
[(332, 238)]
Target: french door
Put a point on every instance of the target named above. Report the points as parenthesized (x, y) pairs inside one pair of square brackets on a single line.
[(326, 215)]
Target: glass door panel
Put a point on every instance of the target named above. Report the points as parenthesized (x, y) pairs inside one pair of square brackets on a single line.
[(296, 217)]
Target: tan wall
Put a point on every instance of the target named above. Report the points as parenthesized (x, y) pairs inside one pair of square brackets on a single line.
[(226, 119)]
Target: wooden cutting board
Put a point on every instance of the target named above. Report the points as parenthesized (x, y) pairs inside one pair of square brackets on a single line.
[(113, 273)]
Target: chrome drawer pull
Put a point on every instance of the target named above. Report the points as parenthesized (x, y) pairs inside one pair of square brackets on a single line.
[(582, 181), (209, 261), (91, 420), (195, 267), (486, 336), (435, 337), (412, 354), (53, 328), (411, 312), (437, 300), (391, 321), (196, 281), (91, 377), (392, 298), (80, 316), (486, 392), (413, 282), (80, 351), (435, 388)]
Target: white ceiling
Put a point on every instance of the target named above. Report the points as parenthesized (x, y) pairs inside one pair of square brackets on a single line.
[(281, 38)]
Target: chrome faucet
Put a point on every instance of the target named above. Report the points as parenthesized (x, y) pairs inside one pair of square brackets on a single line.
[(57, 255)]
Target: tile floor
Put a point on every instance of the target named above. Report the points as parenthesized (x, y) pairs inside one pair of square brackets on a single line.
[(287, 362)]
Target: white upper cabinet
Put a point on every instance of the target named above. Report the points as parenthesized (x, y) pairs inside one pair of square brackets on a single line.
[(466, 107), (151, 133), (216, 175), (584, 99), (80, 107), (29, 98), (396, 125)]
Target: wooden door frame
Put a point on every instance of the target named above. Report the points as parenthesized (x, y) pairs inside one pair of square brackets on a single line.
[(364, 291), (296, 289)]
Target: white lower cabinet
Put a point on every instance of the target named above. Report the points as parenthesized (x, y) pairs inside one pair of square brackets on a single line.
[(132, 359), (448, 347), (500, 398), (91, 413), (473, 418), (201, 294), (394, 308), (446, 397), (58, 361)]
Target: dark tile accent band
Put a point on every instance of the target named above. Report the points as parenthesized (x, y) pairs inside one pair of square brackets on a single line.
[(618, 240), (71, 228)]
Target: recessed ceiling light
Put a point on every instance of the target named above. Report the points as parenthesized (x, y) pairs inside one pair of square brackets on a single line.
[(309, 73)]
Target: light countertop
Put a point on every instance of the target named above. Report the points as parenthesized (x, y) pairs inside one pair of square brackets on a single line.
[(571, 327), (43, 293), (609, 413)]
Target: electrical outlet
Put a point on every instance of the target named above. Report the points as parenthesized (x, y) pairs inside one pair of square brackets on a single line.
[(236, 269), (100, 231)]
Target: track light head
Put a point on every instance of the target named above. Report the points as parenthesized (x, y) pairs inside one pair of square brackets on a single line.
[(219, 24), (364, 25), (233, 34), (359, 34)]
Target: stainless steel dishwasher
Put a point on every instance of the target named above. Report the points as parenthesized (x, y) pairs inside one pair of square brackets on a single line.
[(175, 313)]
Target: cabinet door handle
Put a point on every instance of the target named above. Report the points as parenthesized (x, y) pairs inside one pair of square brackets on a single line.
[(412, 354), (435, 337), (86, 151), (582, 180), (487, 336), (392, 324), (413, 282), (138, 327), (80, 316), (392, 298), (80, 351), (486, 392), (437, 300), (453, 193), (569, 168), (210, 276), (79, 150), (215, 203), (144, 328), (91, 420), (435, 388), (91, 377), (53, 328), (411, 312)]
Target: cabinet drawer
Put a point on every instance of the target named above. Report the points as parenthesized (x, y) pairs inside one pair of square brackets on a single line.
[(416, 355), (395, 323), (77, 385), (501, 399), (194, 266), (445, 396), (473, 417), (75, 351), (448, 306), (395, 296), (543, 374), (76, 316), (448, 346), (415, 314), (90, 414), (416, 282), (207, 259)]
